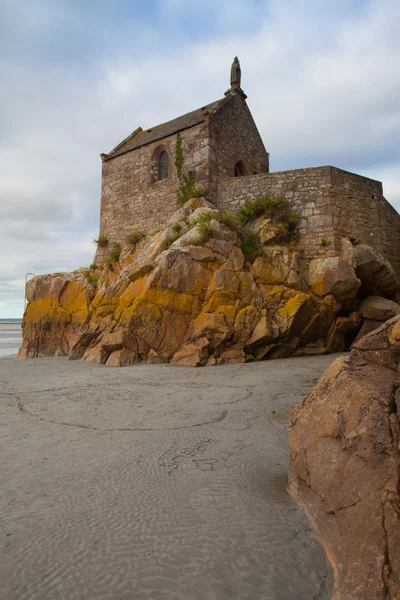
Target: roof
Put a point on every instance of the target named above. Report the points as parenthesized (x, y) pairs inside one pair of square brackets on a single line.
[(141, 137)]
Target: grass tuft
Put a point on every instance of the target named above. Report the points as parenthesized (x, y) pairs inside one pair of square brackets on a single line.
[(134, 237), (101, 241), (251, 245), (229, 220), (90, 278), (176, 227), (112, 257), (261, 206)]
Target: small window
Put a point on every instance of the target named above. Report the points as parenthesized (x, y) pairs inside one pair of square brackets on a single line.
[(163, 165)]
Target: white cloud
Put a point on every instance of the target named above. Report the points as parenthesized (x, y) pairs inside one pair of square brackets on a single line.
[(322, 84)]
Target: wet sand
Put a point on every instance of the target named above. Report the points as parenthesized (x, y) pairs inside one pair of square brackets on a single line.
[(153, 482)]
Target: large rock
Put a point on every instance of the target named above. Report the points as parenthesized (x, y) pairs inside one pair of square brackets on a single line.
[(187, 295), (343, 331), (378, 309), (376, 274), (58, 311), (267, 232), (345, 465), (367, 326), (333, 276)]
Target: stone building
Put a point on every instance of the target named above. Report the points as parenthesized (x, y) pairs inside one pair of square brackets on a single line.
[(222, 145)]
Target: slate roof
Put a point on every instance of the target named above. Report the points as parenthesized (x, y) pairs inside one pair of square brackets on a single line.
[(141, 137)]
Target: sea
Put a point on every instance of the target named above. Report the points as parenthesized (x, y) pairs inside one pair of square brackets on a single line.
[(10, 337)]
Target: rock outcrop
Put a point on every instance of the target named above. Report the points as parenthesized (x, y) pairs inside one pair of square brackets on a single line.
[(345, 465), (188, 295)]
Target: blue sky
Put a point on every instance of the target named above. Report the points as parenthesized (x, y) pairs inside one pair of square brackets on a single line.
[(77, 77)]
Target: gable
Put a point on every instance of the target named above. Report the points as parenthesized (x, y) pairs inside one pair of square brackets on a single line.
[(142, 137)]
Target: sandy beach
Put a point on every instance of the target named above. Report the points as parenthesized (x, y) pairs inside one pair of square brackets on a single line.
[(153, 482)]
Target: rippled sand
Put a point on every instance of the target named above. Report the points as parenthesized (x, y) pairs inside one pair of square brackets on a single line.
[(153, 482)]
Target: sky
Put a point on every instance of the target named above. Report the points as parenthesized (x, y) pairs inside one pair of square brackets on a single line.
[(77, 77)]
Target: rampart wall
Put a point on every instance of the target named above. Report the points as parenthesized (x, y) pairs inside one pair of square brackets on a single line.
[(332, 204)]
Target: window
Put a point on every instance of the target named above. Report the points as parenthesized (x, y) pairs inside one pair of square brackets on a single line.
[(163, 165), (239, 169)]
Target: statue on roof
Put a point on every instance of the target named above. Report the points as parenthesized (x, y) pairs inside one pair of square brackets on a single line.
[(236, 73)]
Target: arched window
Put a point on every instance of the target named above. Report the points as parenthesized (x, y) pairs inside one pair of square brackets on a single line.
[(239, 169), (163, 165)]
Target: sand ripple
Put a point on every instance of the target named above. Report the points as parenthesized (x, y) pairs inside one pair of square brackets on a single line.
[(153, 483)]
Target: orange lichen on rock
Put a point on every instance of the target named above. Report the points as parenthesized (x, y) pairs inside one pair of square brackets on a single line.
[(168, 292)]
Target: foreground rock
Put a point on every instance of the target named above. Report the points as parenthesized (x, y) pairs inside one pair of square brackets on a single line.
[(345, 465), (188, 295)]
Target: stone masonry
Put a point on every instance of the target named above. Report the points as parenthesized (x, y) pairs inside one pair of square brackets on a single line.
[(222, 144), (332, 204)]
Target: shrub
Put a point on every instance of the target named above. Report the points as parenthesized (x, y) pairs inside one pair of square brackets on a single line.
[(251, 245), (229, 220), (134, 237), (203, 218), (292, 222), (204, 228), (93, 267), (199, 193), (260, 206), (92, 280), (324, 242), (115, 253), (109, 264), (101, 241), (113, 256)]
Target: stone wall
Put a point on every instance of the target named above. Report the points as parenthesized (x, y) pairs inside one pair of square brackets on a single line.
[(332, 204), (366, 215), (131, 199), (309, 194)]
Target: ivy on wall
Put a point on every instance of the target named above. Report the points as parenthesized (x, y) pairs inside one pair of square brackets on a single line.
[(187, 181)]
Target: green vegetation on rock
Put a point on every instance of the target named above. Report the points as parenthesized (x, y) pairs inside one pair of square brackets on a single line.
[(252, 246), (187, 181), (134, 237), (112, 257), (101, 241)]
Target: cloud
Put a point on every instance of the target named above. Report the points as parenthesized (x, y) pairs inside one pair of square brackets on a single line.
[(79, 77)]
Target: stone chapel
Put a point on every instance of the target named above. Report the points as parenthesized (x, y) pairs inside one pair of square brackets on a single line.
[(221, 143)]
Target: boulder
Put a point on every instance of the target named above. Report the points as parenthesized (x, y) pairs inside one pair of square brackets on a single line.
[(378, 308), (376, 274), (367, 326), (268, 232), (232, 356), (345, 465), (193, 354), (57, 312), (333, 276)]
